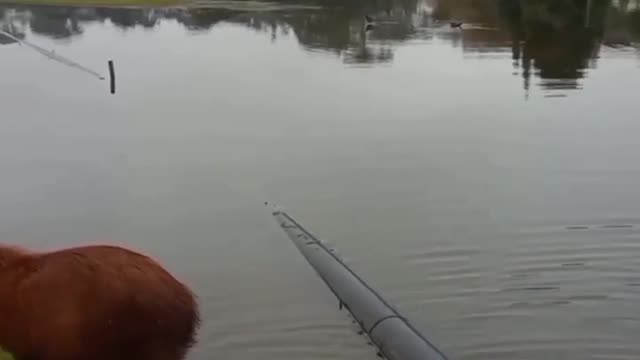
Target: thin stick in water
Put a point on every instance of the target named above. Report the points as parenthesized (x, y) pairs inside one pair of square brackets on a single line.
[(112, 76)]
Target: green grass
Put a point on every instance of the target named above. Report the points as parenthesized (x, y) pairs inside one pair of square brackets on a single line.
[(114, 3), (5, 355)]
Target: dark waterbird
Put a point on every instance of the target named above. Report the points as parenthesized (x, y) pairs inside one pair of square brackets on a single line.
[(456, 24), (369, 23)]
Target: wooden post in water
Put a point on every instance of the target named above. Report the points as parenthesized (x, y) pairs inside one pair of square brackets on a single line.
[(112, 77)]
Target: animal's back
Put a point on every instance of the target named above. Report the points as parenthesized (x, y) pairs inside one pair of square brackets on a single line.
[(97, 302)]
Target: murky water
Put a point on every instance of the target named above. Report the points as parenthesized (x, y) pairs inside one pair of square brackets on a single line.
[(484, 179)]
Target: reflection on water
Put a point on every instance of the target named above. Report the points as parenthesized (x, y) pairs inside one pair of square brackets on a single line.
[(557, 41)]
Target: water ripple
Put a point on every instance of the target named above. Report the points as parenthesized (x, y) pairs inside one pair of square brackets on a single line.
[(547, 280)]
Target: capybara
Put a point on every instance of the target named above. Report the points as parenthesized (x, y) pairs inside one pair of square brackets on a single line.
[(93, 303)]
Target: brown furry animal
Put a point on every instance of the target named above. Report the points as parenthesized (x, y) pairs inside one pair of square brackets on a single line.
[(93, 303)]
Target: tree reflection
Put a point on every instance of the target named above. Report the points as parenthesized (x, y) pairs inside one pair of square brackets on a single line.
[(129, 18), (559, 39), (14, 26), (205, 18), (555, 40), (4, 40), (53, 21)]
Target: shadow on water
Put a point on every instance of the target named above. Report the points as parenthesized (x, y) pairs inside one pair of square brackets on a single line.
[(554, 40)]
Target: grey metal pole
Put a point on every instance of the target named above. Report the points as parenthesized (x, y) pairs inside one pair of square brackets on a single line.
[(393, 335)]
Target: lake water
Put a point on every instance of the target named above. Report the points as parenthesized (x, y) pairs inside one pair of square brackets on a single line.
[(484, 179)]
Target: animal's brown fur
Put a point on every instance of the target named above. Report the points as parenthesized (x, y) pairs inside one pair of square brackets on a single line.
[(93, 303)]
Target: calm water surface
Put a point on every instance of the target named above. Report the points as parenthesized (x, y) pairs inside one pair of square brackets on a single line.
[(484, 179)]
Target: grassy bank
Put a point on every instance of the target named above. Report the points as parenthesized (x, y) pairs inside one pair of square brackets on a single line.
[(5, 355), (114, 3)]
